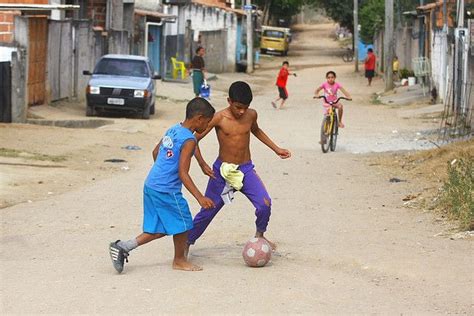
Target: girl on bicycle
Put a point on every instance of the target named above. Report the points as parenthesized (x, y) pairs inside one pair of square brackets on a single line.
[(331, 87)]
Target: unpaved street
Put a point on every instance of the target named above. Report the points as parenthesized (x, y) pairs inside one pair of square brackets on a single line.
[(346, 243)]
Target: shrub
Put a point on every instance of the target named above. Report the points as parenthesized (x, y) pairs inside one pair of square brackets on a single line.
[(458, 190), (405, 73)]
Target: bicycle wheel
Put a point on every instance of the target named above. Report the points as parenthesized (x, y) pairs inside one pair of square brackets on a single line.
[(348, 57), (325, 134), (335, 129)]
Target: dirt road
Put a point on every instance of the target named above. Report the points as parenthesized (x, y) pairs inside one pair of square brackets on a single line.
[(346, 244)]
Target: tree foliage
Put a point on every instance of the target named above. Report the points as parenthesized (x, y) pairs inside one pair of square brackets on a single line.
[(341, 11), (372, 19)]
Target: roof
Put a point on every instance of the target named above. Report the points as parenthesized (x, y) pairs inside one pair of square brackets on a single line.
[(219, 5), (154, 14), (430, 6), (37, 7), (120, 56)]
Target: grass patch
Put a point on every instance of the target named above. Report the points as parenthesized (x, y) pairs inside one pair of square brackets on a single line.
[(375, 99), (13, 153), (458, 190)]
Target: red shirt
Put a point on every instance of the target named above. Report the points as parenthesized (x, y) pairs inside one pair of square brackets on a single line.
[(282, 77), (370, 62)]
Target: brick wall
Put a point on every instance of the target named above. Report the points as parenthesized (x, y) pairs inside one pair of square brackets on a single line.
[(7, 19), (96, 11)]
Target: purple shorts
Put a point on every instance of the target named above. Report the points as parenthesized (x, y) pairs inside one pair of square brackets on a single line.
[(253, 189)]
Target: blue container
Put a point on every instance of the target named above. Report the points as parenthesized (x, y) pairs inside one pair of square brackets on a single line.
[(205, 91)]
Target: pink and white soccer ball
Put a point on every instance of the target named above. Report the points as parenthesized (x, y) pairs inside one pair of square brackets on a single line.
[(257, 252)]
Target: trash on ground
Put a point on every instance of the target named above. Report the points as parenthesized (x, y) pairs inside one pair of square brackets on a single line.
[(410, 197), (114, 160), (132, 147), (395, 180)]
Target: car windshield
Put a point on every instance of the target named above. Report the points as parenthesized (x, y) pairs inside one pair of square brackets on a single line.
[(122, 67), (276, 34)]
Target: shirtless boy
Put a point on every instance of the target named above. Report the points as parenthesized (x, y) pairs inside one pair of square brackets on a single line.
[(233, 126)]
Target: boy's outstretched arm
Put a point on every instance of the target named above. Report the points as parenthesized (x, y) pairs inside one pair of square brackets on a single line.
[(346, 93), (283, 153), (184, 164), (197, 153)]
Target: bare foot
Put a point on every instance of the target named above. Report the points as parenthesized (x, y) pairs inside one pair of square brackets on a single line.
[(185, 266), (341, 125), (272, 244), (274, 105)]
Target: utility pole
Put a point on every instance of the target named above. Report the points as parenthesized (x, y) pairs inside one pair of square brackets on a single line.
[(356, 35), (388, 45), (248, 10)]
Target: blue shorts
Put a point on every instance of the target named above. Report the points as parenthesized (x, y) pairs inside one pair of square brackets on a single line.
[(165, 213)]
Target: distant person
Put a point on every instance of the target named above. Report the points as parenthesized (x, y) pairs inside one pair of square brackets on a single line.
[(330, 89), (165, 211), (370, 66), (198, 70), (281, 84), (395, 68)]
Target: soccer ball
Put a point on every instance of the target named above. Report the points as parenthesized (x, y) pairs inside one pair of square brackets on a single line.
[(257, 252)]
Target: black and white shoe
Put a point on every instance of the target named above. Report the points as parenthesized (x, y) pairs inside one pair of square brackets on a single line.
[(118, 256)]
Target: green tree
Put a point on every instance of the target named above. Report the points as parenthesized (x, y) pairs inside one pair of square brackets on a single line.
[(372, 19)]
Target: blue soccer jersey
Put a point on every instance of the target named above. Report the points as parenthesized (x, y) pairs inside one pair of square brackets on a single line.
[(164, 175)]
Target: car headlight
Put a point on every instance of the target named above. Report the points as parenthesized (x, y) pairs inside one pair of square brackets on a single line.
[(93, 90), (140, 93)]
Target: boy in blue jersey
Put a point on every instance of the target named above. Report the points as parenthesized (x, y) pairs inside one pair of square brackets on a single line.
[(166, 212)]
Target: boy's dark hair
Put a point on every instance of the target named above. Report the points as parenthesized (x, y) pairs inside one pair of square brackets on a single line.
[(198, 49), (285, 62), (199, 106), (330, 73), (370, 50), (240, 92)]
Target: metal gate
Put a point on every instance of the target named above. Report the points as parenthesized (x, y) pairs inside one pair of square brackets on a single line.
[(5, 93)]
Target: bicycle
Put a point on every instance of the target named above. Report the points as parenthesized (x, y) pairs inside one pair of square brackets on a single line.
[(330, 125), (348, 55)]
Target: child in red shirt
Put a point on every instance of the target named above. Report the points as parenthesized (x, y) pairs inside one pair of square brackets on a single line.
[(281, 84)]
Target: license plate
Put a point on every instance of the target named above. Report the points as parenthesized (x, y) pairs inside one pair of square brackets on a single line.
[(115, 101)]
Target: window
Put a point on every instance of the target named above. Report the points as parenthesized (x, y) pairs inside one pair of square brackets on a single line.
[(122, 67), (276, 34)]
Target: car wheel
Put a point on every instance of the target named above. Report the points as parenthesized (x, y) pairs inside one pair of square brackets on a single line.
[(90, 111), (152, 109), (146, 113)]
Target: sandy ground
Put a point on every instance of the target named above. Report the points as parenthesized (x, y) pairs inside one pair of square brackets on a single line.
[(346, 243)]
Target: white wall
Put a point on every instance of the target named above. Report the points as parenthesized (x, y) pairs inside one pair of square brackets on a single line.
[(6, 53), (439, 57)]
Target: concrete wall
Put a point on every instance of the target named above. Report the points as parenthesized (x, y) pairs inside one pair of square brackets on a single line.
[(406, 47), (19, 90), (207, 19), (439, 51)]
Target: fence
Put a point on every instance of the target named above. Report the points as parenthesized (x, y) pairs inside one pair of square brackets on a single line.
[(456, 121)]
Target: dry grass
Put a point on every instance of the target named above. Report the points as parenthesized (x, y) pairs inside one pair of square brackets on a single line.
[(433, 168)]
